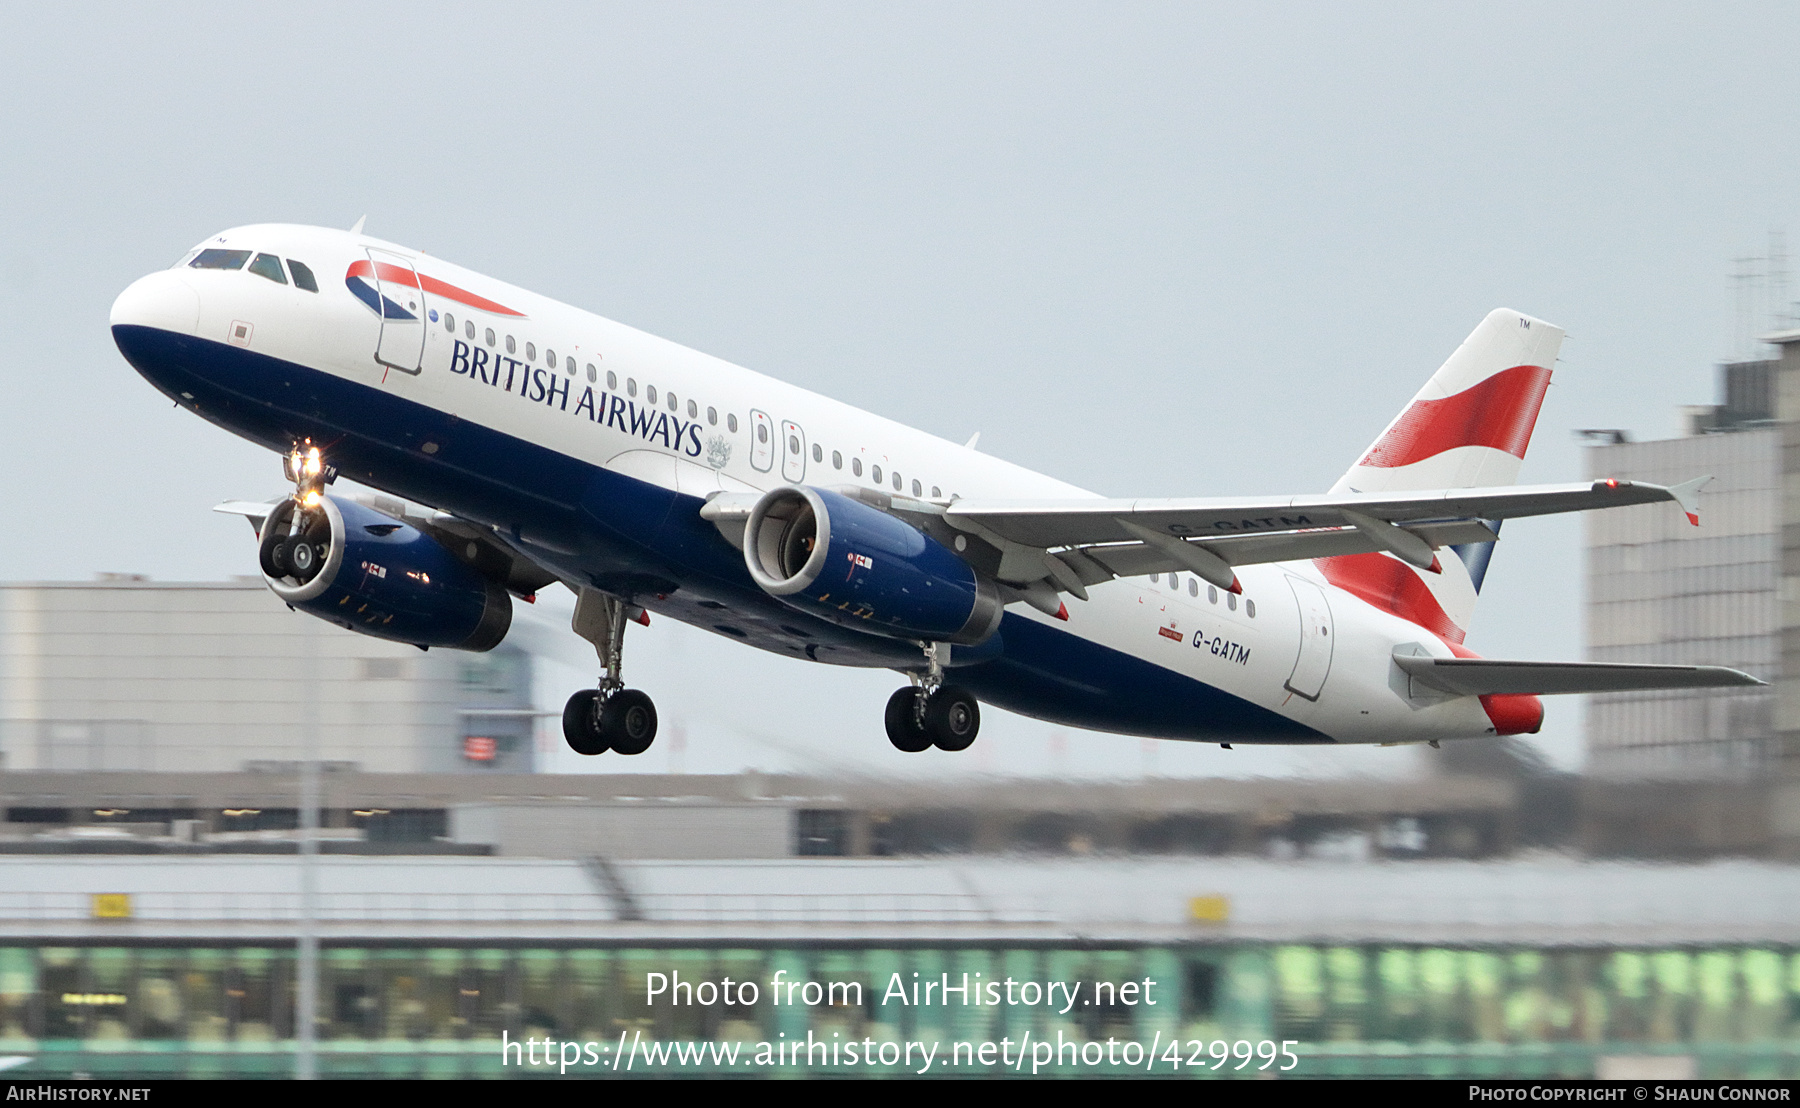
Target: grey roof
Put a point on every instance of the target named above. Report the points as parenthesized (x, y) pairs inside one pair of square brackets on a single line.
[(1550, 901)]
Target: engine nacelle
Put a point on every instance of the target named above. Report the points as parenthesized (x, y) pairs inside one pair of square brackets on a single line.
[(371, 573), (838, 558)]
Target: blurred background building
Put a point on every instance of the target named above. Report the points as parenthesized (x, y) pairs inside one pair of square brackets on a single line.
[(1660, 590)]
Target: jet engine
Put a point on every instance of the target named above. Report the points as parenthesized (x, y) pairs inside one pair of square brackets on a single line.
[(838, 558), (369, 572)]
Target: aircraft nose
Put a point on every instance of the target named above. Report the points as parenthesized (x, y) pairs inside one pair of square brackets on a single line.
[(163, 300)]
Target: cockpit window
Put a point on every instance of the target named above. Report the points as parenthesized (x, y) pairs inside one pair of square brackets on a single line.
[(268, 265), (220, 259), (303, 277)]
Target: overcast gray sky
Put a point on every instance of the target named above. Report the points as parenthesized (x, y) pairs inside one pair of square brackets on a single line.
[(1152, 249)]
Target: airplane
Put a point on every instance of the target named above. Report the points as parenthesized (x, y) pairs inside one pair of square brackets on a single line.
[(511, 441)]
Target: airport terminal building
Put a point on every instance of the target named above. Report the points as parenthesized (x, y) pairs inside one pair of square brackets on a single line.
[(112, 967)]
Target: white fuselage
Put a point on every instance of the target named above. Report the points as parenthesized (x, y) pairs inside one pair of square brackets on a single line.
[(677, 419)]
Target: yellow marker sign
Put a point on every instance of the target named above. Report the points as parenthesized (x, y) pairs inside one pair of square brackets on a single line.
[(1209, 909), (111, 906)]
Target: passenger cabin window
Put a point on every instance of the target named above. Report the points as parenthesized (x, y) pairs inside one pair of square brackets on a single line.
[(856, 466), (1212, 595), (303, 276), (876, 473), (762, 432), (712, 417), (449, 320), (650, 393), (818, 453), (731, 422), (511, 348), (530, 352), (220, 259), (693, 410), (896, 482), (549, 356), (1156, 578), (673, 406), (612, 380), (469, 329), (268, 265), (1193, 586), (917, 491), (631, 386), (1231, 601), (593, 375), (837, 460), (1250, 608), (490, 337), (935, 494)]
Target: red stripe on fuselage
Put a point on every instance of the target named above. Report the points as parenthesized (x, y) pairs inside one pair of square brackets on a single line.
[(1499, 413), (401, 275), (1393, 586)]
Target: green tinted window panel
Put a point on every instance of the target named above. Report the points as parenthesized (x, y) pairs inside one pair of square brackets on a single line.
[(1673, 971), (886, 1018), (974, 1019)]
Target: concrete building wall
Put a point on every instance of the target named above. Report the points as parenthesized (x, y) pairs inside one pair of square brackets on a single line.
[(627, 831), (134, 675), (1661, 590)]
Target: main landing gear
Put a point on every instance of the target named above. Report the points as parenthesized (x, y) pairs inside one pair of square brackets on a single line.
[(932, 713), (611, 717)]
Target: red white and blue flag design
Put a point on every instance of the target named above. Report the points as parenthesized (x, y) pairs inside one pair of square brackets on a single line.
[(364, 278)]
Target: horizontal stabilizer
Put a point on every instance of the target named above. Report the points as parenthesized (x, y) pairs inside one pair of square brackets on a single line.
[(1488, 677)]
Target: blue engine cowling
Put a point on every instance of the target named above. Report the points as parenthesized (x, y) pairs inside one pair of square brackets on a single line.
[(376, 575), (831, 556)]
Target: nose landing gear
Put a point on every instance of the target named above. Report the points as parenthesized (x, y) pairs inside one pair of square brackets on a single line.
[(611, 717), (932, 713)]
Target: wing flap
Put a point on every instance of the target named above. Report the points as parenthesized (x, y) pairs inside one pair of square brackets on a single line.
[(1489, 676)]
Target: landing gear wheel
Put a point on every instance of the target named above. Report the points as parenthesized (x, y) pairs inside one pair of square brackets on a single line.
[(581, 723), (628, 720), (903, 727), (302, 556), (952, 718), (275, 560)]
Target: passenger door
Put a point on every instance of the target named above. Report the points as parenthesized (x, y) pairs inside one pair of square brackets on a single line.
[(793, 458), (762, 444), (402, 342), (1313, 662)]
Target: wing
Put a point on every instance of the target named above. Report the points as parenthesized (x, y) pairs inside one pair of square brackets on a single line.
[(1041, 548), (1487, 676), (1075, 543)]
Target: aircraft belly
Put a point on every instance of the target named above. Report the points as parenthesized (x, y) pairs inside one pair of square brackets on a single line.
[(588, 522)]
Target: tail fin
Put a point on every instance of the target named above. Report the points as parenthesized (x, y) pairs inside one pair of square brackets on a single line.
[(1467, 428)]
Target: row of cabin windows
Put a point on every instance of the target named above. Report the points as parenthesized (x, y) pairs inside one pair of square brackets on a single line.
[(856, 468), (693, 409), (267, 266), (1212, 592)]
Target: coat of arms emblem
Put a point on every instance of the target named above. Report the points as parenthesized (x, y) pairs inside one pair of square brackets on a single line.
[(718, 452)]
